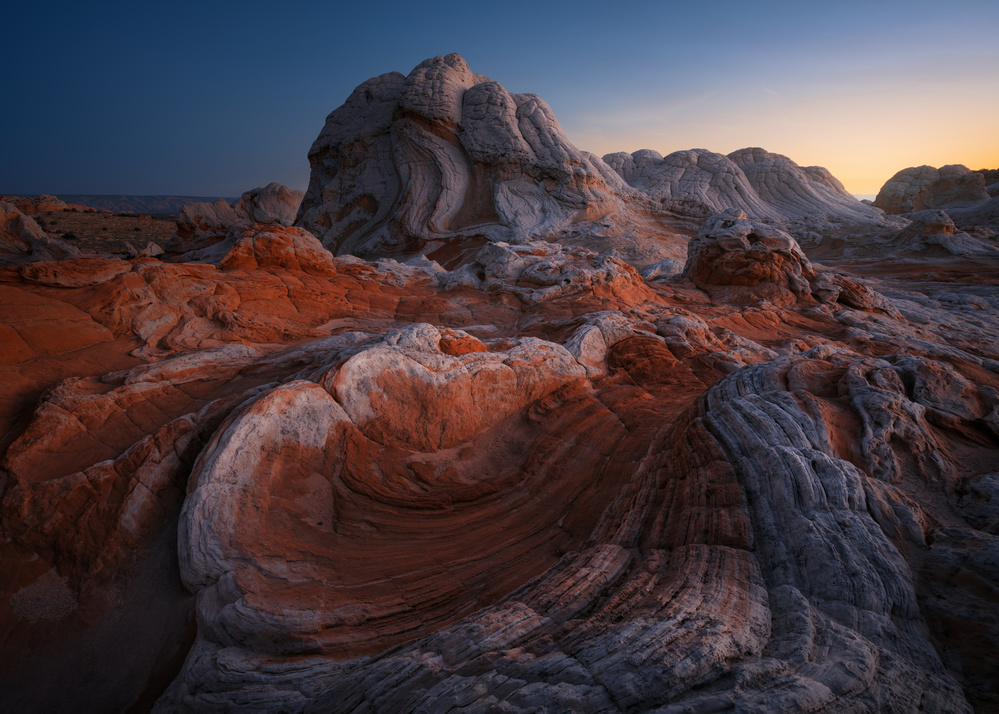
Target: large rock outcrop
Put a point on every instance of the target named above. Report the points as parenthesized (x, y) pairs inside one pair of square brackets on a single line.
[(736, 258), (445, 153), (923, 187), (757, 182), (199, 225)]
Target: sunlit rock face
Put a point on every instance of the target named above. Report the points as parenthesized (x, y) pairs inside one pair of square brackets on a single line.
[(923, 187), (514, 475)]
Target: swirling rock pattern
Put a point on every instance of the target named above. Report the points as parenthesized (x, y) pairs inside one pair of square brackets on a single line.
[(495, 475), (446, 153), (761, 184), (423, 163), (617, 495)]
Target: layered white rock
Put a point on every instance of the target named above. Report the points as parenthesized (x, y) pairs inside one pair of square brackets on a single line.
[(762, 184), (445, 152)]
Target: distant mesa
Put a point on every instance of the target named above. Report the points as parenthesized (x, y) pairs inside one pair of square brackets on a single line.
[(127, 203), (411, 163), (37, 205)]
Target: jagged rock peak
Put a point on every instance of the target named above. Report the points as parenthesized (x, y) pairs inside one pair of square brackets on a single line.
[(445, 153)]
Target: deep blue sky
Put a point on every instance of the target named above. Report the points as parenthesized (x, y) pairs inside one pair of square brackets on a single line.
[(214, 99)]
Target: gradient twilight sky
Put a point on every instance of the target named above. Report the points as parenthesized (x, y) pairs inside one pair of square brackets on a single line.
[(215, 98)]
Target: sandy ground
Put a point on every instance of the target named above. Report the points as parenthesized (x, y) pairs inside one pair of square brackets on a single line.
[(102, 232)]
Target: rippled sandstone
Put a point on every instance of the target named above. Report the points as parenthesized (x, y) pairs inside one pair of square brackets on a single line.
[(531, 466)]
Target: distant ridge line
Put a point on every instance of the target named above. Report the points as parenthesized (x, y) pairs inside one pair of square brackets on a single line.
[(125, 203)]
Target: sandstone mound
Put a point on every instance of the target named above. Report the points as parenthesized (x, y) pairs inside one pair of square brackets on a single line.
[(23, 240), (445, 153), (964, 195), (932, 233), (741, 261), (762, 184), (747, 260), (199, 225), (923, 187)]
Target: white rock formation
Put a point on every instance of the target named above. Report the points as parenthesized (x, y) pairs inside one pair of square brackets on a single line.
[(201, 224), (762, 184), (923, 187), (445, 154)]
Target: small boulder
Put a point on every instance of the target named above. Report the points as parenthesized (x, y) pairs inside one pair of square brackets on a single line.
[(739, 260)]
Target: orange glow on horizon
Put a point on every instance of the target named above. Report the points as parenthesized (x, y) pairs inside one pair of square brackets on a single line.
[(863, 136)]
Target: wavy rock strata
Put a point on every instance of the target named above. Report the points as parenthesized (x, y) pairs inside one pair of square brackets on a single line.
[(757, 182), (409, 164), (496, 475), (614, 495)]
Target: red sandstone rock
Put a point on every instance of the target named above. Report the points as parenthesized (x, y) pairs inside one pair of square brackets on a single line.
[(519, 478)]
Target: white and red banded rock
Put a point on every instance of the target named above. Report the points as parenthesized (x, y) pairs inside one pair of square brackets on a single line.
[(489, 470)]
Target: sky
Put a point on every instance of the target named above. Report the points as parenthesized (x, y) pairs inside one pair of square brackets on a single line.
[(215, 98)]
